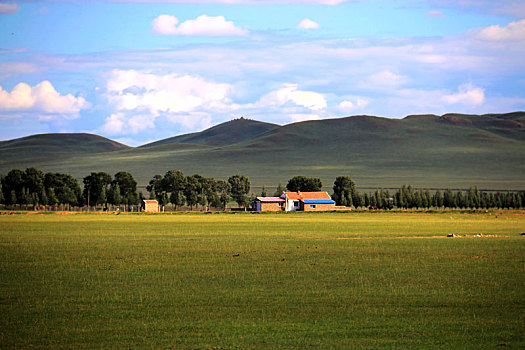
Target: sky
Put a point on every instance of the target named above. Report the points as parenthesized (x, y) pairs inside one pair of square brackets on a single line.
[(137, 71)]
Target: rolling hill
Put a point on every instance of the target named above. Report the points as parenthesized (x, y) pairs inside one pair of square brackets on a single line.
[(50, 146), (453, 150), (228, 133)]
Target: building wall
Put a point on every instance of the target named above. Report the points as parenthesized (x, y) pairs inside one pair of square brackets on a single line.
[(151, 207), (290, 205), (271, 206), (319, 207)]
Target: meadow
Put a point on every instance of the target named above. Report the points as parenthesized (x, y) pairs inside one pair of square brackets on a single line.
[(263, 281)]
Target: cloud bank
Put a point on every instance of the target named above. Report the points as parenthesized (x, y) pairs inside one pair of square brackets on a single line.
[(41, 98)]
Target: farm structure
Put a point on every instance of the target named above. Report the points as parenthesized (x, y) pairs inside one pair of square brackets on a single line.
[(296, 201), (150, 206)]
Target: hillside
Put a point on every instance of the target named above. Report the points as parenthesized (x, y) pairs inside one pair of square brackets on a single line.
[(228, 133), (46, 146), (453, 150)]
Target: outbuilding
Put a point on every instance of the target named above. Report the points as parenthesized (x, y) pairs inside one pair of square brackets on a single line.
[(269, 204), (150, 206)]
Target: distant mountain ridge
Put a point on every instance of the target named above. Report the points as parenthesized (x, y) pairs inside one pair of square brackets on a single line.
[(427, 150), (227, 133)]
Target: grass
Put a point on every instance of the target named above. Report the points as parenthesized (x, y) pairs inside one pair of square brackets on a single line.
[(300, 280), (426, 152)]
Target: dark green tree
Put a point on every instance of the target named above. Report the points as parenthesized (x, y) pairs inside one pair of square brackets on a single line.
[(224, 191), (33, 179), (66, 189), (305, 184), (13, 182), (173, 182), (240, 187), (155, 187), (193, 189), (449, 200), (177, 199), (114, 196), (96, 186), (263, 192), (438, 199), (51, 197), (127, 187), (345, 191)]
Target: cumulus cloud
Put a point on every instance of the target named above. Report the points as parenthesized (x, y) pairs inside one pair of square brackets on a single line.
[(467, 94), (8, 8), (171, 93), (308, 24), (290, 93), (141, 97), (512, 31), (165, 24), (119, 123), (349, 106), (201, 26), (41, 98)]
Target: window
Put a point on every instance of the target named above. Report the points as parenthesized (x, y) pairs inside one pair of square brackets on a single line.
[(281, 204), (312, 206), (295, 204)]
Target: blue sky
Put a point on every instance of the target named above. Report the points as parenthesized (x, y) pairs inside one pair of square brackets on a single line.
[(137, 71)]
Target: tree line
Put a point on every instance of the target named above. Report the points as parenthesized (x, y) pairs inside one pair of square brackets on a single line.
[(34, 187), (346, 194), (194, 190)]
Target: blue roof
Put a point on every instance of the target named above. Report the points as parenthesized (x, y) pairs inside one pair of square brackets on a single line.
[(318, 201)]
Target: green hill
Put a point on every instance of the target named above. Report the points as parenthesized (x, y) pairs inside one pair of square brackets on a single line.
[(428, 151), (45, 147), (223, 134)]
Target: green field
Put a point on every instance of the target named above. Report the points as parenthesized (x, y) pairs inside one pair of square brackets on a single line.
[(263, 281), (452, 151)]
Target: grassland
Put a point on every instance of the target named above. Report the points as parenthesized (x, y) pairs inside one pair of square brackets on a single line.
[(456, 151), (256, 281)]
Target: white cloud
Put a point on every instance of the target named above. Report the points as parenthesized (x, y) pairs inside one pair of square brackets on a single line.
[(165, 24), (511, 32), (142, 97), (467, 94), (308, 24), (290, 93), (119, 123), (7, 8), (172, 93), (349, 106), (201, 26), (41, 98)]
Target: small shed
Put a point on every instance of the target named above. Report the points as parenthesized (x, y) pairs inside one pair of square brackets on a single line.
[(150, 206), (269, 204)]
